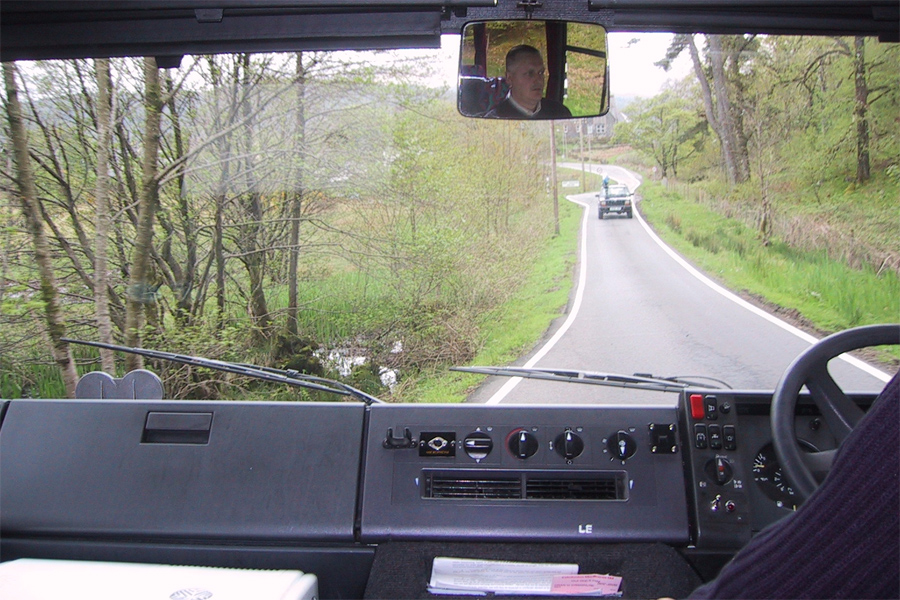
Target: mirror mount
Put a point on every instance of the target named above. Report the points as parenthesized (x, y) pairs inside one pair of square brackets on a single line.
[(529, 5)]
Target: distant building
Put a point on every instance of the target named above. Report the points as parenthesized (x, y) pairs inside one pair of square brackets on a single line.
[(596, 129)]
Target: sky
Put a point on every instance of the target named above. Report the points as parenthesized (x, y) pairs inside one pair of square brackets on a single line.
[(631, 69)]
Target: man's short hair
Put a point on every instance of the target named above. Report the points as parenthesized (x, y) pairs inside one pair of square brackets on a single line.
[(515, 54)]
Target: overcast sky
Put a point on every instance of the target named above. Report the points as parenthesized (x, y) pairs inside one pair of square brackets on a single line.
[(631, 69)]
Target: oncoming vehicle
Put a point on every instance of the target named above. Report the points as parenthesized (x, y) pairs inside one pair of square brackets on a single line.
[(255, 254), (615, 199)]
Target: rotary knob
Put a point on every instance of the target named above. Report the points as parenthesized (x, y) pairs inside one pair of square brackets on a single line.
[(719, 471), (478, 445), (621, 445), (569, 444), (522, 444)]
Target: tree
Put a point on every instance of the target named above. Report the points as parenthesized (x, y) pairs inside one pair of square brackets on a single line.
[(101, 234), (667, 128), (56, 328), (142, 293), (718, 105)]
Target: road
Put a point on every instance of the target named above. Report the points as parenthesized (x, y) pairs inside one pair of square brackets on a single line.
[(639, 308)]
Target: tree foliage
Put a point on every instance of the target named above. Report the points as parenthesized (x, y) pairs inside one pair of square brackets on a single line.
[(262, 208)]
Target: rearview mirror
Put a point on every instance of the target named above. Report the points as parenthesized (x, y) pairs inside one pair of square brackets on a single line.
[(533, 70)]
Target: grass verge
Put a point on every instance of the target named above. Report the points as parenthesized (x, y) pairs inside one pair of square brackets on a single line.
[(515, 327), (807, 286)]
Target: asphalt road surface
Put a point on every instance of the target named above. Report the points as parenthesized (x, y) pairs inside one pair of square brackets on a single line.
[(640, 308)]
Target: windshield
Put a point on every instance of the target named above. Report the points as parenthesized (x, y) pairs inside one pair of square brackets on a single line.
[(619, 190), (333, 214)]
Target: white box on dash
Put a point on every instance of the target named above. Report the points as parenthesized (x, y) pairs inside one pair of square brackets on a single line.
[(38, 579)]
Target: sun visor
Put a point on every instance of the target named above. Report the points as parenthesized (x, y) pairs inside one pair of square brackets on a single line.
[(166, 32)]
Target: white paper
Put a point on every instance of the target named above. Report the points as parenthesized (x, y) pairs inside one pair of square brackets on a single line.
[(463, 576)]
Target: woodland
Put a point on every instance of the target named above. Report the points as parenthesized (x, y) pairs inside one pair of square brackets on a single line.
[(313, 212)]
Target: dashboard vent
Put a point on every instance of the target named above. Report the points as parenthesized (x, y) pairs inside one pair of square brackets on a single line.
[(513, 485), (601, 486), (473, 487)]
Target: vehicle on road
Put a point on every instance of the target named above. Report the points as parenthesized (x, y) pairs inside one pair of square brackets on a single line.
[(195, 194), (615, 200)]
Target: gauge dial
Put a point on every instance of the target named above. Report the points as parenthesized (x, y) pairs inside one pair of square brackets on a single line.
[(771, 479)]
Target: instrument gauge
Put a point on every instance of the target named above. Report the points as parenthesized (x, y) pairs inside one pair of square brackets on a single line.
[(771, 479)]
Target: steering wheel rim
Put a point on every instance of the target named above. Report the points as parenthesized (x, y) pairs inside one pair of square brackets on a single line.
[(841, 414)]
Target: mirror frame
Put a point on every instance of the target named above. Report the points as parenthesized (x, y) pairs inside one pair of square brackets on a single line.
[(482, 78)]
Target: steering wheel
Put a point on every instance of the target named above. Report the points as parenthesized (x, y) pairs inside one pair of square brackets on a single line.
[(805, 470)]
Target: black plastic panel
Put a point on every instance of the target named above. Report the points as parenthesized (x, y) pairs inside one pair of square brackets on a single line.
[(268, 471), (651, 507)]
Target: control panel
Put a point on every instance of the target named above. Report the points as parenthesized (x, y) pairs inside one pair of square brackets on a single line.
[(737, 485), (524, 472), (719, 478)]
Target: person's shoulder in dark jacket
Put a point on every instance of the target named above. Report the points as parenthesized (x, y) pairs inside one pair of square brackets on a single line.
[(550, 109)]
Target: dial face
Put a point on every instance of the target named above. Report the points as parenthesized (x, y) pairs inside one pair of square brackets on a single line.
[(771, 479)]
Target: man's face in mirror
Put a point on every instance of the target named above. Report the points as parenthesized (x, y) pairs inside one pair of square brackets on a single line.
[(525, 77)]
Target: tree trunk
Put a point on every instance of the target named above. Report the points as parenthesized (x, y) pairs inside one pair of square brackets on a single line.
[(736, 107), (254, 254), (101, 265), (737, 172), (296, 201), (710, 110), (56, 327), (140, 292), (224, 150), (861, 111), (185, 284)]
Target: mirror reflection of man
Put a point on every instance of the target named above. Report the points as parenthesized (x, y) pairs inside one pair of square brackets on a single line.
[(525, 76)]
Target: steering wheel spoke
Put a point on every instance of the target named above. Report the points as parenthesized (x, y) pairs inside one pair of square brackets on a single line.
[(839, 411), (819, 463)]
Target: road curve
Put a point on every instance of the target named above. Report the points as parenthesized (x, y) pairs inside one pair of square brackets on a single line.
[(637, 308)]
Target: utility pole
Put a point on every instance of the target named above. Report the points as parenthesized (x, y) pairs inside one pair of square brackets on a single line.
[(581, 143), (553, 185)]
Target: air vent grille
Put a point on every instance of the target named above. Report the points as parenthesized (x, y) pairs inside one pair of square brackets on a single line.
[(518, 485), (596, 488), (477, 487)]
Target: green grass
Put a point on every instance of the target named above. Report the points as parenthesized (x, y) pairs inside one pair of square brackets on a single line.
[(828, 293), (514, 328)]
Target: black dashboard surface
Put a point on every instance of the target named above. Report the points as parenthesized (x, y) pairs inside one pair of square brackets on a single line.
[(322, 486)]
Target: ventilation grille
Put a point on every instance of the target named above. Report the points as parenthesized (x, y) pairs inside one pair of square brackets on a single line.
[(603, 487), (478, 487), (506, 485)]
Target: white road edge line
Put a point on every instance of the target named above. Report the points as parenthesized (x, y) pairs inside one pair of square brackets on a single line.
[(500, 394), (576, 305), (877, 373)]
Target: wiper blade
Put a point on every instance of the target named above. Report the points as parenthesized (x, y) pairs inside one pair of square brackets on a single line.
[(637, 381), (288, 377)]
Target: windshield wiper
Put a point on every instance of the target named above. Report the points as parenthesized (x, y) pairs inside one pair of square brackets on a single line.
[(642, 381), (289, 376)]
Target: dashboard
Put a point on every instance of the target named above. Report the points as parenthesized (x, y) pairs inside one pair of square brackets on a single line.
[(324, 487)]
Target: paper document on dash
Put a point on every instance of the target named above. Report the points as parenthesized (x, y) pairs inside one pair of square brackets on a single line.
[(461, 576)]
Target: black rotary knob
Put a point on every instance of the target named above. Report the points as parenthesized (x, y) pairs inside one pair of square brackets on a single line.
[(522, 444), (621, 445), (719, 471), (569, 444), (478, 445)]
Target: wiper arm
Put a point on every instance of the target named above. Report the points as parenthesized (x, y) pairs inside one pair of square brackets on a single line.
[(641, 381), (289, 377)]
